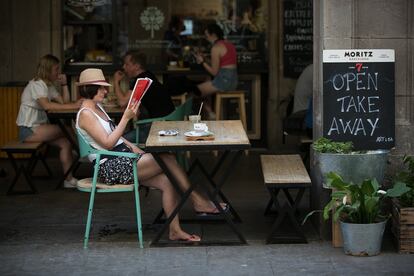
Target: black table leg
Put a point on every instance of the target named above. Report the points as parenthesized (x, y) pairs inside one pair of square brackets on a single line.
[(184, 197), (288, 210), (217, 187)]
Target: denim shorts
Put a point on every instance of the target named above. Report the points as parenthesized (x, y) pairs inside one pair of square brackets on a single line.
[(24, 133), (226, 79)]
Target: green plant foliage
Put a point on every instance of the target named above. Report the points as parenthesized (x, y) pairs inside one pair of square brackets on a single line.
[(324, 145), (358, 203), (406, 177)]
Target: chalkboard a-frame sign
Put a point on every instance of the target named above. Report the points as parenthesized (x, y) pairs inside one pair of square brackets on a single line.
[(358, 97)]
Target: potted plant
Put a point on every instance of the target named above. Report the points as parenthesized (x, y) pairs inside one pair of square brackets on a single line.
[(353, 166), (358, 207), (403, 209)]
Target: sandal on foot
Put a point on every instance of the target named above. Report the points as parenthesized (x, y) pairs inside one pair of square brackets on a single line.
[(216, 212)]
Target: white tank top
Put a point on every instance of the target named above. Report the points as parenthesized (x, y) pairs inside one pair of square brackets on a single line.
[(105, 124)]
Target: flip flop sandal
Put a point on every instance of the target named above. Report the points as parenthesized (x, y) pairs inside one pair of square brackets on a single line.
[(213, 214)]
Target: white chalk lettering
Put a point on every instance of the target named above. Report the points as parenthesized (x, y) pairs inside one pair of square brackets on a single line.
[(357, 126), (358, 81), (360, 127), (351, 104), (374, 126), (360, 103), (347, 126), (355, 103), (371, 103), (334, 127), (374, 82)]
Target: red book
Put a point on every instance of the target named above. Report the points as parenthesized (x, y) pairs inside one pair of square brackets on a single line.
[(140, 88)]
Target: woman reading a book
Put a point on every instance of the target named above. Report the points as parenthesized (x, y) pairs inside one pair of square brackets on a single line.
[(94, 124)]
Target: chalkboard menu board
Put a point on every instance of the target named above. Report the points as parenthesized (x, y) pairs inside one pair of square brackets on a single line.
[(358, 97), (297, 36)]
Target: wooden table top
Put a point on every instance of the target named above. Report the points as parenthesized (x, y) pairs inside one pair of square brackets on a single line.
[(228, 134)]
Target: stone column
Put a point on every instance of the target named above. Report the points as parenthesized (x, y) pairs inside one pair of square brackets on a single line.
[(367, 24)]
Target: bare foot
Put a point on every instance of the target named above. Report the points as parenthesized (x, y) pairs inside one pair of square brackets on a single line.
[(183, 236)]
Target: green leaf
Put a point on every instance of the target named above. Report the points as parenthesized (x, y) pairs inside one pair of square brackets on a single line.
[(367, 187), (338, 212), (328, 208), (335, 180), (399, 189)]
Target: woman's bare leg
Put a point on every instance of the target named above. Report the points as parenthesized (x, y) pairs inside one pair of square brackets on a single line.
[(52, 134), (200, 203), (169, 197)]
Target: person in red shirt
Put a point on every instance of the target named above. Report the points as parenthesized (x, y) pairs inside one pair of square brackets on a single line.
[(222, 66)]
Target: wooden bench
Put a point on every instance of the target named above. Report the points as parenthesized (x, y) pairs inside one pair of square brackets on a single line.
[(286, 173), (26, 168)]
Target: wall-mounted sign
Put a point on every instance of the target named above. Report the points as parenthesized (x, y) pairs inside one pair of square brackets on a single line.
[(358, 97)]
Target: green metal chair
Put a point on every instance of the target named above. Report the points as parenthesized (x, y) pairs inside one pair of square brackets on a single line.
[(92, 186)]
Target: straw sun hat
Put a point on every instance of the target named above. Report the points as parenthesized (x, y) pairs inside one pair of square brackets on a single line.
[(92, 76)]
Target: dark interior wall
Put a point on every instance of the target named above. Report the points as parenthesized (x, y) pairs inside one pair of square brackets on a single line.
[(27, 31)]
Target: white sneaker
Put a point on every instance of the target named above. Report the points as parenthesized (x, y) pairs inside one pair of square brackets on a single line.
[(70, 184)]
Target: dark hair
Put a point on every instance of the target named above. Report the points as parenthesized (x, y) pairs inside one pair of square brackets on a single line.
[(88, 91), (215, 29), (176, 23), (138, 57)]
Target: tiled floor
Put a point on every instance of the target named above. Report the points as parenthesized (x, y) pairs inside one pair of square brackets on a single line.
[(42, 234)]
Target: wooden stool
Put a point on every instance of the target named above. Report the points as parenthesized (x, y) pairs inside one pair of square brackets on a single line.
[(179, 99), (285, 173), (239, 95)]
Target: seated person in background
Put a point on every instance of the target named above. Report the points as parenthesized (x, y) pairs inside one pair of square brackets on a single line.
[(97, 128), (173, 36), (40, 95), (303, 89), (223, 66), (157, 101), (298, 120)]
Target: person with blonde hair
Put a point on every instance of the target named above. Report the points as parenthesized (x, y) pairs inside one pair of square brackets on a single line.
[(94, 124), (41, 95)]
